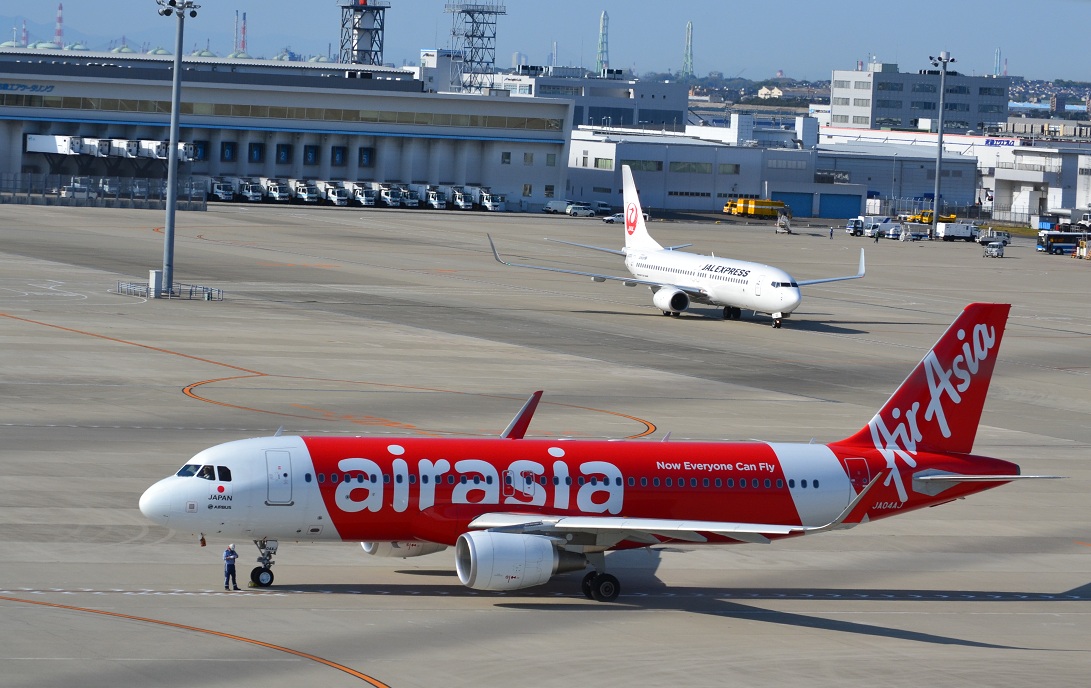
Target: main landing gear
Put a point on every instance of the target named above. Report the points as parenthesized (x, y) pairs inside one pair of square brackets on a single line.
[(732, 313), (262, 576), (599, 585)]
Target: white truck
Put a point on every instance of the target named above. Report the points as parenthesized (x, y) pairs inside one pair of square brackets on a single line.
[(858, 226), (124, 148), (360, 193), (456, 197), (212, 188), (303, 191), (387, 194), (157, 150), (950, 231), (245, 189), (431, 196), (987, 236), (407, 197), (62, 145), (276, 190), (486, 198), (332, 192)]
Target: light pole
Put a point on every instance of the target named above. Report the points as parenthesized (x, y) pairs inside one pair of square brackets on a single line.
[(941, 61), (893, 181), (178, 8)]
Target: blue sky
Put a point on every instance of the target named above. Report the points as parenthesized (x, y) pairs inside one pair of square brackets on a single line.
[(805, 39)]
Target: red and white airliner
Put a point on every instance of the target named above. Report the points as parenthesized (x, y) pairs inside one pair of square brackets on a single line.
[(678, 278), (519, 511)]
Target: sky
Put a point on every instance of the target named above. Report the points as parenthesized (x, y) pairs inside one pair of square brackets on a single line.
[(803, 38)]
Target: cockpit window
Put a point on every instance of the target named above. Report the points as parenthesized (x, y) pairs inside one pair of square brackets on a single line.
[(189, 470), (225, 473), (207, 472), (777, 285)]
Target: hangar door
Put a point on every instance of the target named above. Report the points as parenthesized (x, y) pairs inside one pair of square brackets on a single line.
[(839, 205), (802, 204)]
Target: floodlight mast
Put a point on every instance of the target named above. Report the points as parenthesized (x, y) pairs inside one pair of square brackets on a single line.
[(941, 61), (178, 8)]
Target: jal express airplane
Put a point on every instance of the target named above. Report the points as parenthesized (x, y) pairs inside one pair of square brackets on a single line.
[(519, 511), (678, 278)]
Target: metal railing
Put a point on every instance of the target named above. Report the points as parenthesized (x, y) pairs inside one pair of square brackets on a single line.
[(194, 292)]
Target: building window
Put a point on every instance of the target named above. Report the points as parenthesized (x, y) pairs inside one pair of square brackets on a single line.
[(959, 90), (842, 84), (983, 108), (729, 168), (528, 158), (528, 190), (551, 159), (505, 158), (859, 119), (992, 91), (862, 85), (888, 86), (956, 107), (840, 101), (338, 156), (924, 88), (604, 163), (691, 167), (311, 155), (644, 165), (889, 104), (601, 189), (229, 151), (284, 153), (840, 119), (922, 105), (256, 153), (549, 191), (861, 102)]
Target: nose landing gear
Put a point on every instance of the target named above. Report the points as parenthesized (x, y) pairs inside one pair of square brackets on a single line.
[(262, 576)]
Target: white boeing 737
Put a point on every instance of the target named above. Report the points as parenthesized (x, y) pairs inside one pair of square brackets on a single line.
[(678, 278)]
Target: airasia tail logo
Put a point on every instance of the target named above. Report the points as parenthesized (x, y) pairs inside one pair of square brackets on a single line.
[(898, 442), (630, 218)]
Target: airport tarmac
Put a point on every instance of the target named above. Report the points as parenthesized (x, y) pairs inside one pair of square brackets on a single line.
[(400, 322)]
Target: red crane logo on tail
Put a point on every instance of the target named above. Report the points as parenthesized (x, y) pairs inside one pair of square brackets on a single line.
[(630, 218)]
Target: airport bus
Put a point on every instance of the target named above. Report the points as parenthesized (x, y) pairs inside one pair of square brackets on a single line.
[(1060, 243)]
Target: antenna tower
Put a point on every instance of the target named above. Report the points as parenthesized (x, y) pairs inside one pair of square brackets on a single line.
[(58, 36), (602, 63), (363, 23), (687, 61), (996, 63), (474, 35)]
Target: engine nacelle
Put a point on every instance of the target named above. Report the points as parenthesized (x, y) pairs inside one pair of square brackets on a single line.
[(510, 561), (672, 300), (401, 550)]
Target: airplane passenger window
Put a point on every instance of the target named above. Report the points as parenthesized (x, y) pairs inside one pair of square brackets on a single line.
[(187, 471), (413, 479), (780, 483), (386, 479), (307, 477), (768, 483), (655, 482), (398, 478), (731, 482), (668, 482), (704, 482), (225, 473), (424, 479), (632, 481), (814, 484), (803, 483), (462, 479), (360, 478), (754, 483), (693, 482), (333, 477), (617, 481), (792, 482), (321, 477), (719, 483)]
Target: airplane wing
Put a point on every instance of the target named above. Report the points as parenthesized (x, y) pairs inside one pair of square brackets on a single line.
[(608, 531), (629, 281), (858, 275)]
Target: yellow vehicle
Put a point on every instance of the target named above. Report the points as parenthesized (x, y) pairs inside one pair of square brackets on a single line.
[(755, 207), (924, 217)]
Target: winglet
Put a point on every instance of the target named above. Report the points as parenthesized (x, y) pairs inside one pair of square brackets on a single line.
[(517, 428), (496, 254)]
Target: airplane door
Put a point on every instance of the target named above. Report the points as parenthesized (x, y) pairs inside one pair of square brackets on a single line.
[(757, 284), (859, 474), (278, 463)]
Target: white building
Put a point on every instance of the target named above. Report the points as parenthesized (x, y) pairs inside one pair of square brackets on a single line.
[(881, 97)]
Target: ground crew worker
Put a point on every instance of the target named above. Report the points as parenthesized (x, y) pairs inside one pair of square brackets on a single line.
[(230, 555)]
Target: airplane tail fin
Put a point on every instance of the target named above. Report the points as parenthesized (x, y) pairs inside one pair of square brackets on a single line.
[(636, 232), (939, 405)]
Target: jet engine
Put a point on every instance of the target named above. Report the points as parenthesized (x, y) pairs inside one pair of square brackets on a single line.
[(510, 561), (401, 550), (671, 300)]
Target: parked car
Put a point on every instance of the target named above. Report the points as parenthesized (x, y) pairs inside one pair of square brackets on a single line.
[(556, 207), (74, 191), (580, 210), (620, 217), (994, 249)]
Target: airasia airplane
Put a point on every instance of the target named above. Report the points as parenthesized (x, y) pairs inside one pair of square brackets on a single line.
[(519, 511), (678, 278)]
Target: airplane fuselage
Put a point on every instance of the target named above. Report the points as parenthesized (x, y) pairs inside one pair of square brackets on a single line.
[(423, 489), (723, 281)]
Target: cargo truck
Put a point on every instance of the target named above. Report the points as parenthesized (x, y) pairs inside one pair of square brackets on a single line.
[(431, 196), (61, 145), (275, 190), (332, 192), (484, 197), (456, 197), (360, 193), (408, 197), (949, 231), (386, 194), (245, 189), (302, 191)]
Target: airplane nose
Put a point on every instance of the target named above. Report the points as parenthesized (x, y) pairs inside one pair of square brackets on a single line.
[(155, 503)]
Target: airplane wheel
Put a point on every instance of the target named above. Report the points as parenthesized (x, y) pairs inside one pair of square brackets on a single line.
[(776, 323), (605, 588), (676, 315), (262, 577), (728, 313), (587, 585), (666, 312)]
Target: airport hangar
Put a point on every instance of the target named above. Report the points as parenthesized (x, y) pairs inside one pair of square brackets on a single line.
[(286, 120)]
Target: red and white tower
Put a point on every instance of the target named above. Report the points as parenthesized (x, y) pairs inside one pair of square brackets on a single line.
[(242, 41), (58, 35)]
